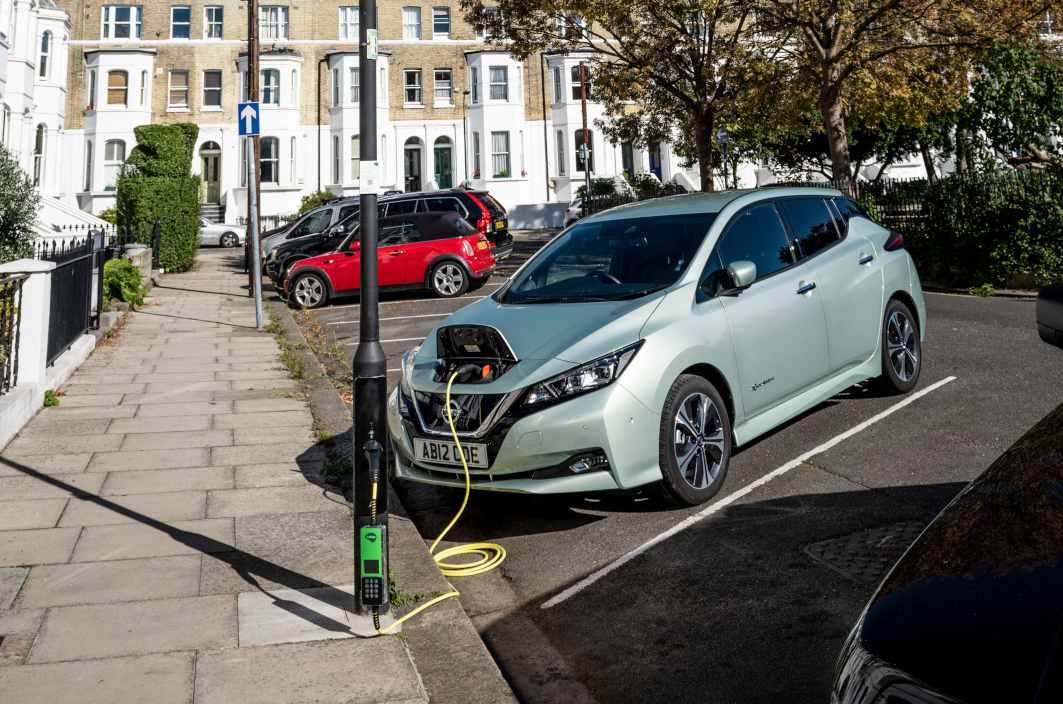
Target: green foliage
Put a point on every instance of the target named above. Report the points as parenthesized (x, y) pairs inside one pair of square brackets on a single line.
[(121, 280), (999, 228), (313, 200), (983, 291), (50, 398), (19, 201), (156, 185), (110, 215), (599, 187), (647, 186)]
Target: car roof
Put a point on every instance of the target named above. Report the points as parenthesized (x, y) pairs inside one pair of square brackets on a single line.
[(706, 202)]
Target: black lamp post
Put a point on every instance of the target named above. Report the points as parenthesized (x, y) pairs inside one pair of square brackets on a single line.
[(465, 132)]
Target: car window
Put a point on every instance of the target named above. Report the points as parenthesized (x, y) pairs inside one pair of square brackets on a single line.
[(755, 235), (812, 223), (441, 226), (403, 207), (346, 212), (313, 223), (848, 208), (394, 231), (445, 204)]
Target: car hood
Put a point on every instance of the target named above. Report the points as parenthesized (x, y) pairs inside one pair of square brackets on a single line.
[(547, 338), (974, 607)]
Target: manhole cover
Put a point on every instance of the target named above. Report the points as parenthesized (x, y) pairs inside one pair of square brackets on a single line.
[(865, 556)]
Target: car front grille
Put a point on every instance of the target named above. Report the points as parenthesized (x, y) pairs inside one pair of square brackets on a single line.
[(469, 410)]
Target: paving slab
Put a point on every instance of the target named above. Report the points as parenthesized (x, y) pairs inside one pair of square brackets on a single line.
[(24, 487), (274, 419), (177, 440), (259, 384), (165, 377), (159, 424), (257, 436), (49, 425), (281, 474), (127, 460), (156, 481), (322, 530), (264, 405), (348, 672), (272, 453), (100, 389), (285, 568), (49, 445), (193, 408), (36, 513), (11, 580), (169, 397), (173, 506), (187, 387), (300, 615), (132, 540), (87, 377), (136, 628), (18, 630), (45, 464), (279, 499), (93, 400), (112, 581), (65, 413), (253, 374), (37, 547), (149, 679)]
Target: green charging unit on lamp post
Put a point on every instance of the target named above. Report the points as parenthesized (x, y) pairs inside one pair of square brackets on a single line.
[(369, 441)]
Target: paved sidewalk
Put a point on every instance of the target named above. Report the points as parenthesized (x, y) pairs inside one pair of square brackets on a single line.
[(151, 524)]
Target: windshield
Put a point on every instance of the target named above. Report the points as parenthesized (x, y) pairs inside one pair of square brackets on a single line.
[(611, 260)]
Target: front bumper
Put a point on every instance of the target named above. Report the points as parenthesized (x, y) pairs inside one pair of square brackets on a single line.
[(610, 419)]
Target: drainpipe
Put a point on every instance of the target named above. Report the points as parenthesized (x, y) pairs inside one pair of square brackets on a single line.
[(322, 60), (546, 132)]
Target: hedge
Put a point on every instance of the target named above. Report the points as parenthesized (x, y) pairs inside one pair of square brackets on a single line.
[(174, 202), (156, 185)]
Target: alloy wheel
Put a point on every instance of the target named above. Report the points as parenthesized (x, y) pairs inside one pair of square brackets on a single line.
[(448, 279), (228, 240), (902, 346), (309, 291), (698, 441)]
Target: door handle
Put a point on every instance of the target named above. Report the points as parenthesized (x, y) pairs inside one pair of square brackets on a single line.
[(866, 258), (805, 286), (397, 252)]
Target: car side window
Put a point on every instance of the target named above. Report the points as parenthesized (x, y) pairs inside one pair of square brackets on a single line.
[(346, 212), (314, 223), (395, 231), (445, 205), (756, 235), (402, 207), (812, 223)]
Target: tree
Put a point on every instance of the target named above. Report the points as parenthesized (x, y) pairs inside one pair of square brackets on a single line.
[(850, 46), (1017, 102), (19, 202), (668, 71)]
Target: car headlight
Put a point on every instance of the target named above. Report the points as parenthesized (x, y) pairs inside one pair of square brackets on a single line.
[(583, 379), (406, 371)]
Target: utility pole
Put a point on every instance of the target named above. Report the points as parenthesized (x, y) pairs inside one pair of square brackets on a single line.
[(465, 131), (585, 148), (254, 268), (369, 441)]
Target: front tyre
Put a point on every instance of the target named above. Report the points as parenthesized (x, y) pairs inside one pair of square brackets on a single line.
[(229, 240), (695, 442), (309, 291), (902, 351), (448, 279)]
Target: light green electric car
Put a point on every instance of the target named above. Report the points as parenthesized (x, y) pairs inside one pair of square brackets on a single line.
[(643, 344)]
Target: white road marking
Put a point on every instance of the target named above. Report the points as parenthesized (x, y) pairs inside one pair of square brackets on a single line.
[(723, 503), (412, 300), (384, 342), (396, 317)]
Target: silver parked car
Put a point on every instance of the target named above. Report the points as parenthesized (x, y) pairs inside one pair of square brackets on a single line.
[(645, 343), (220, 234)]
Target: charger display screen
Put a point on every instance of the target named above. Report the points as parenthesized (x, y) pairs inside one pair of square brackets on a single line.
[(371, 566)]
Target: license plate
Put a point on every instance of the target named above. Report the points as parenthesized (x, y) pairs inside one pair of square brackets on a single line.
[(500, 224), (445, 452)]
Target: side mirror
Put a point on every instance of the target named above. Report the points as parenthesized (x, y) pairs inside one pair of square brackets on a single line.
[(335, 231), (742, 273)]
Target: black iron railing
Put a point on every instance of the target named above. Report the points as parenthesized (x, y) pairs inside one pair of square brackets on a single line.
[(71, 298), (10, 317)]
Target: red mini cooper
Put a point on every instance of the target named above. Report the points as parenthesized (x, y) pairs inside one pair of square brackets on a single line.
[(439, 251)]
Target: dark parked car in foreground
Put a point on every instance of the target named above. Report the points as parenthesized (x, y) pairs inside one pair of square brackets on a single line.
[(973, 611), (1050, 314)]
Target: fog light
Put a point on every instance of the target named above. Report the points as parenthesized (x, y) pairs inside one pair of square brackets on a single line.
[(588, 462)]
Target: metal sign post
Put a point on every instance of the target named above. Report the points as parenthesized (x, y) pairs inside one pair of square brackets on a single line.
[(370, 434), (247, 117)]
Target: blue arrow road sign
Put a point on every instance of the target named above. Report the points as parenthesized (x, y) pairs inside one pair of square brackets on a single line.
[(247, 118)]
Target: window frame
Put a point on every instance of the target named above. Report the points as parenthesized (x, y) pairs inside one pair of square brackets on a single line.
[(337, 93), (349, 18), (411, 31), (791, 232), (474, 84), (354, 84), (559, 85), (476, 173), (577, 87), (448, 100), (187, 25), (436, 34), (726, 229), (492, 83), (88, 167), (112, 166), (207, 89), (44, 56), (211, 23), (274, 160), (109, 22), (124, 88), (562, 161), (337, 159), (578, 134), (497, 173), (170, 105), (144, 82), (407, 86), (274, 22), (356, 157)]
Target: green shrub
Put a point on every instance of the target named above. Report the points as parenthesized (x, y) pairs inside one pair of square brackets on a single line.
[(163, 150), (110, 215), (50, 398), (647, 186), (121, 280), (19, 201), (313, 200), (599, 187)]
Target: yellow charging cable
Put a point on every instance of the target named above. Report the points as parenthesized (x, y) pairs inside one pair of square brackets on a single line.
[(489, 555)]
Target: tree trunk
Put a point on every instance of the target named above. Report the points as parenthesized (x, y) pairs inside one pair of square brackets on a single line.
[(962, 143), (928, 162), (830, 105), (703, 142)]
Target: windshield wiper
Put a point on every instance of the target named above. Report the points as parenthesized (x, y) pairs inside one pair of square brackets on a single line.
[(628, 295), (557, 299)]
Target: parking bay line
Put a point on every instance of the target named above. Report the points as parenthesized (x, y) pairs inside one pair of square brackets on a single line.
[(384, 342), (723, 503), (396, 317)]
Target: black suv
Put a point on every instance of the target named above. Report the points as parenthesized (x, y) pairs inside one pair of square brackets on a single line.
[(319, 230)]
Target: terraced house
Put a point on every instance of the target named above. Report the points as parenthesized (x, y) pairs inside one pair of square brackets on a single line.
[(452, 107)]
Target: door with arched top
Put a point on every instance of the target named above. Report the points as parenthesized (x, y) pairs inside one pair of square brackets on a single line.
[(210, 172)]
